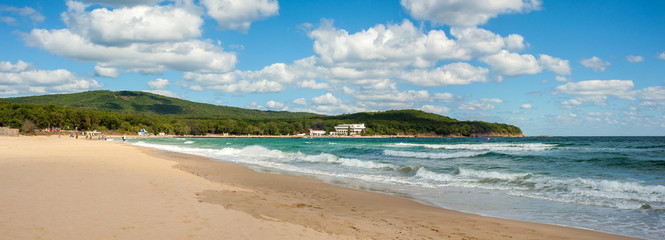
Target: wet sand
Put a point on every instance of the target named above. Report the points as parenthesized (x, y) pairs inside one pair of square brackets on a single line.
[(62, 188)]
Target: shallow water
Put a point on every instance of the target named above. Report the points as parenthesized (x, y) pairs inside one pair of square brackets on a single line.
[(609, 184)]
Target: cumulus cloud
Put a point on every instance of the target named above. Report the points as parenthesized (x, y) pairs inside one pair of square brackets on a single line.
[(141, 39), (526, 106), (465, 13), (556, 65), (596, 91), (652, 96), (300, 101), (28, 12), (452, 74), (164, 93), (514, 64), (106, 72), (394, 45), (22, 78), (271, 78), (634, 59), (139, 24), (616, 88), (326, 99), (476, 106), (273, 105), (435, 109), (595, 63), (191, 55), (122, 3), (312, 84), (239, 14), (159, 84)]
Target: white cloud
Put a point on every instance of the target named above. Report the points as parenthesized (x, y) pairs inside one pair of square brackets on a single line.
[(652, 96), (394, 45), (662, 56), (556, 65), (595, 63), (326, 99), (273, 105), (312, 84), (20, 66), (21, 78), (300, 101), (479, 41), (143, 39), (121, 3), (492, 100), (514, 42), (476, 106), (164, 93), (452, 74), (465, 13), (512, 64), (191, 55), (106, 72), (159, 84), (435, 109), (635, 59), (616, 88), (526, 106), (29, 12), (245, 86), (139, 24), (239, 14), (562, 79)]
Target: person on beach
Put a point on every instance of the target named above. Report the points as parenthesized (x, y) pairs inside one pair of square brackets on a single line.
[(124, 138)]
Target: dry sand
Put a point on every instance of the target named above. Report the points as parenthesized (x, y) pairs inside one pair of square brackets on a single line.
[(61, 188)]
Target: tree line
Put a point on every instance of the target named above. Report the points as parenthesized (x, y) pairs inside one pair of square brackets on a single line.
[(28, 117)]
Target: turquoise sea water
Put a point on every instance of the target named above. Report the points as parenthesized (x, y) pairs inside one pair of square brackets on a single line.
[(609, 184)]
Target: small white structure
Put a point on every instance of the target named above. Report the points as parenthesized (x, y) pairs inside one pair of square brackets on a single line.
[(350, 129), (317, 133), (143, 132)]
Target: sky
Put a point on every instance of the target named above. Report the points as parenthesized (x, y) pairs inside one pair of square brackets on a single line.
[(564, 67)]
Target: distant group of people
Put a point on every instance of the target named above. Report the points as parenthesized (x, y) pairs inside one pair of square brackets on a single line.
[(90, 136)]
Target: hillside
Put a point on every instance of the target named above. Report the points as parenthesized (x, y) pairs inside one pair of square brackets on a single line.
[(129, 111), (144, 103)]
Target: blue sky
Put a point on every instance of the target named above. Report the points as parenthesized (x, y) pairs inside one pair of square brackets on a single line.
[(550, 67)]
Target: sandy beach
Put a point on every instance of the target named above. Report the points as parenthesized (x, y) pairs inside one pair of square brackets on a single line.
[(62, 188)]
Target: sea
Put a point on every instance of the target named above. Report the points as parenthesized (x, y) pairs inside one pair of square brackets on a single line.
[(609, 184)]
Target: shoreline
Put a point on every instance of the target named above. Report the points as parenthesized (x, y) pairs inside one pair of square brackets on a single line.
[(262, 200)]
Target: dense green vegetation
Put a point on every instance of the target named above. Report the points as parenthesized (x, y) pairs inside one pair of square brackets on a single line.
[(132, 111), (144, 103)]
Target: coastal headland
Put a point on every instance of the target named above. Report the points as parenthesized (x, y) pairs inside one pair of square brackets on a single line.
[(63, 188)]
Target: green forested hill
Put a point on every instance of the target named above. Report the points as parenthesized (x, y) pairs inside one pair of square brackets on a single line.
[(143, 103), (128, 111)]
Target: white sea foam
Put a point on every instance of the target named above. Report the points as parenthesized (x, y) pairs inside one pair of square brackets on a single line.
[(440, 177), (479, 174), (431, 155), (482, 146), (189, 142)]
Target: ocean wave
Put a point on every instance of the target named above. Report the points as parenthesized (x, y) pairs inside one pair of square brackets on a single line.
[(188, 142), (256, 151), (350, 162), (431, 155), (430, 175), (482, 146)]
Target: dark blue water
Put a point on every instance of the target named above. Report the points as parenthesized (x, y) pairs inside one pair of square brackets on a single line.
[(610, 184)]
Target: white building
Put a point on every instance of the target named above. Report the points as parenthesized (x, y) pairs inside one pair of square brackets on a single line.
[(350, 129), (317, 133)]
